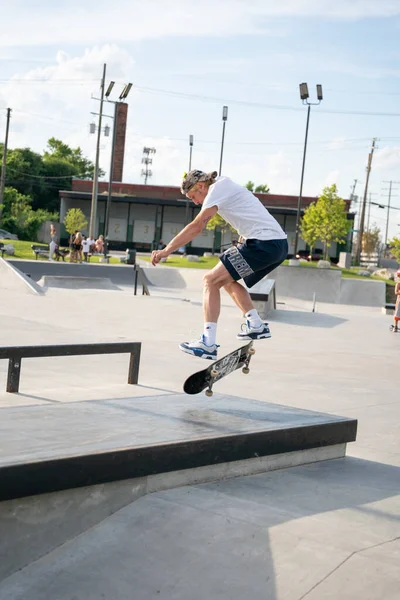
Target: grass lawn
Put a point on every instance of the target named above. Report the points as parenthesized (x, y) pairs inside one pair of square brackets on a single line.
[(177, 261), (346, 273), (24, 251)]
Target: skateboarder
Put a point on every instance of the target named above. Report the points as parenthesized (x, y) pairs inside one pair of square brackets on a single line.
[(396, 316), (262, 248)]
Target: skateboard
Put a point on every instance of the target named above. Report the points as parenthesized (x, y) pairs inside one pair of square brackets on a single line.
[(394, 329), (205, 379)]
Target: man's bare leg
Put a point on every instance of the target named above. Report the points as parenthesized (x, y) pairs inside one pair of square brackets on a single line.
[(215, 279), (240, 296)]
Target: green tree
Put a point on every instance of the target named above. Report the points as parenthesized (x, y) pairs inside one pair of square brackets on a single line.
[(394, 246), (19, 217), (371, 240), (309, 226), (327, 219), (60, 152), (75, 220), (260, 189), (43, 176)]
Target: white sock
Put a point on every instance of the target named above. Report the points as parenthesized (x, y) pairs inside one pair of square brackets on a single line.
[(254, 319), (210, 333)]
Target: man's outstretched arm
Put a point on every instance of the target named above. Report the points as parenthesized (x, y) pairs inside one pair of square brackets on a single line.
[(187, 234)]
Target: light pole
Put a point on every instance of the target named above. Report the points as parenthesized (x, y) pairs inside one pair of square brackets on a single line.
[(190, 168), (224, 120), (93, 210), (304, 95), (146, 160)]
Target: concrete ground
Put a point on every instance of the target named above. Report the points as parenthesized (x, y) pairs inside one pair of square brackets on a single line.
[(329, 530)]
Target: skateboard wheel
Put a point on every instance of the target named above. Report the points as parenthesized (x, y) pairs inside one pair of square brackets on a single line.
[(252, 351), (214, 372), (246, 370), (209, 393)]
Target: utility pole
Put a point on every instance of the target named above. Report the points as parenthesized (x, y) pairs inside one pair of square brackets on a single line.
[(388, 211), (369, 207), (3, 166), (93, 210), (362, 217)]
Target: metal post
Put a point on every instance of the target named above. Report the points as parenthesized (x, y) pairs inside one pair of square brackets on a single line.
[(224, 120), (14, 371), (4, 163), (387, 220), (133, 373), (190, 168), (296, 239), (222, 147), (109, 196), (93, 211)]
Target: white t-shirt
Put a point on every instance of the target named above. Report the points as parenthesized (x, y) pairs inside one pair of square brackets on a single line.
[(241, 209), (86, 245)]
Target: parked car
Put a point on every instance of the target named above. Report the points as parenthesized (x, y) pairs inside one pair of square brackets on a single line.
[(6, 235), (317, 254)]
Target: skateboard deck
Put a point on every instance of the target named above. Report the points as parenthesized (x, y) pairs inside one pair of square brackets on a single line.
[(205, 379)]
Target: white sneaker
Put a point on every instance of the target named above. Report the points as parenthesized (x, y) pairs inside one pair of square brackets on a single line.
[(252, 333), (200, 349)]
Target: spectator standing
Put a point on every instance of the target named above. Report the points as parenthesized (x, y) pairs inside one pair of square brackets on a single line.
[(53, 242), (85, 247), (72, 256), (78, 246)]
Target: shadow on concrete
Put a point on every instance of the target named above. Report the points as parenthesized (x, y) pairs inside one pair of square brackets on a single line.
[(216, 540), (305, 319)]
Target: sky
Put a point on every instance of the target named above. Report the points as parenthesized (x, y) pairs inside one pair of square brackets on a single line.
[(187, 59)]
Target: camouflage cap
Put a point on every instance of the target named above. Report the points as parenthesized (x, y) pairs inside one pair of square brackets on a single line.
[(190, 179)]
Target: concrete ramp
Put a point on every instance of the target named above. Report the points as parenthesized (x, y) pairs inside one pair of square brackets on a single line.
[(164, 277), (12, 279), (77, 283)]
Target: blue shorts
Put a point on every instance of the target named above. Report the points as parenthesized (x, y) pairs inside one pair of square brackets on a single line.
[(254, 259)]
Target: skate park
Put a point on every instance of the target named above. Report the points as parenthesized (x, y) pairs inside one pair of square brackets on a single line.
[(284, 484)]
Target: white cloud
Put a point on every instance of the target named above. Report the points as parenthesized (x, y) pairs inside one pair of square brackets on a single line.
[(332, 177), (55, 99), (90, 21), (386, 159)]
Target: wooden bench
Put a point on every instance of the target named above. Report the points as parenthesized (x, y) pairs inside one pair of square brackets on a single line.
[(15, 354), (40, 250)]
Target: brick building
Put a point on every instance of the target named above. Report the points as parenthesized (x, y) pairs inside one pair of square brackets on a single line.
[(142, 215)]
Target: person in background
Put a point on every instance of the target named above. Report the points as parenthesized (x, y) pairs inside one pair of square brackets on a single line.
[(78, 246), (396, 315), (92, 245), (85, 247), (53, 242), (72, 256), (100, 244)]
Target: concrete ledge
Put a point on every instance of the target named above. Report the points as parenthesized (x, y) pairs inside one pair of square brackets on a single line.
[(150, 436)]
